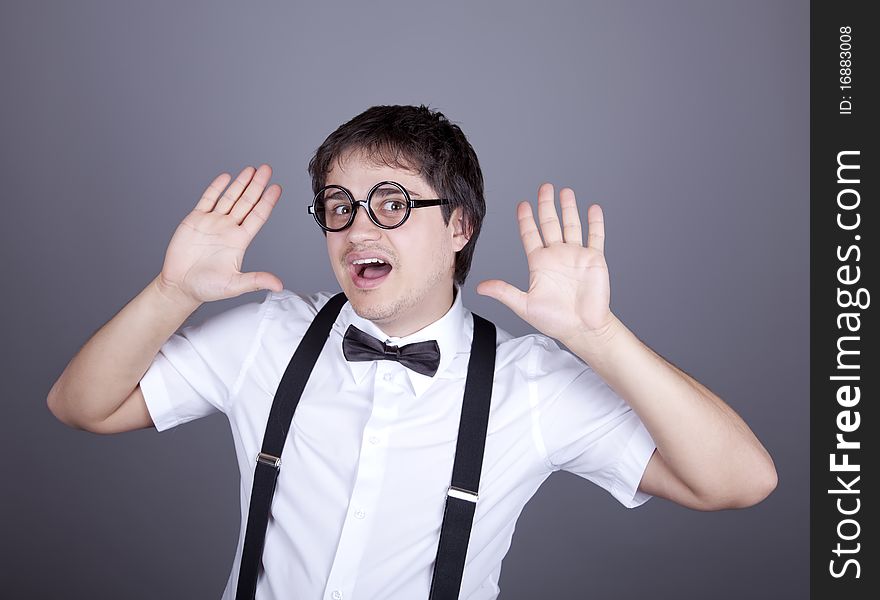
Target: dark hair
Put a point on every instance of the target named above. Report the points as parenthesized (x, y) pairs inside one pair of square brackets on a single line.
[(420, 140)]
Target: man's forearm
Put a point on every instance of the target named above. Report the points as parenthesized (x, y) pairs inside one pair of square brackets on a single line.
[(111, 363), (704, 442)]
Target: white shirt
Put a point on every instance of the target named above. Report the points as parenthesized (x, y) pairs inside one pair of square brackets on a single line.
[(365, 469)]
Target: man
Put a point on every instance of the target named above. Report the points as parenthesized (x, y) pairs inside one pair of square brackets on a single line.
[(360, 498)]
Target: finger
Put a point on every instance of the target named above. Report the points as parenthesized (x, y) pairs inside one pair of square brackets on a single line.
[(510, 296), (596, 225), (224, 205), (547, 215), (571, 220), (528, 230), (212, 192), (251, 194), (261, 211), (256, 281)]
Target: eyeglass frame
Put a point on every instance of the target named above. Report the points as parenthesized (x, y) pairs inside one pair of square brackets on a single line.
[(356, 204)]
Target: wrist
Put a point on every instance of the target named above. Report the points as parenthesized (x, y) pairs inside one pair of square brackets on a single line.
[(173, 297), (591, 344)]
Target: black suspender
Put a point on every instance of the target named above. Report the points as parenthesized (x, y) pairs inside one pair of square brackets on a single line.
[(269, 459), (462, 495), (461, 500)]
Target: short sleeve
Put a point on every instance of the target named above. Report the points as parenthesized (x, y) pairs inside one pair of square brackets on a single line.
[(588, 429), (197, 367)]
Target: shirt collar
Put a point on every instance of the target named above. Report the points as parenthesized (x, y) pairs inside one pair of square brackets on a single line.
[(453, 333)]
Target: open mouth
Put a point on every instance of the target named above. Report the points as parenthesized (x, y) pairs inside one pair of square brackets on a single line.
[(367, 273)]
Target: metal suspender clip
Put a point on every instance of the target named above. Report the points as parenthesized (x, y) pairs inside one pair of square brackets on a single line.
[(268, 459), (462, 494)]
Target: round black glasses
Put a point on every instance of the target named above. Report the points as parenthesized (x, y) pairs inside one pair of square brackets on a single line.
[(388, 205)]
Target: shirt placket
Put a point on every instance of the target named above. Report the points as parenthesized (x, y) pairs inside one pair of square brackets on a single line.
[(388, 392)]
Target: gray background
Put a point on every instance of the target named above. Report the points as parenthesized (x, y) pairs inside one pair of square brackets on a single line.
[(687, 121)]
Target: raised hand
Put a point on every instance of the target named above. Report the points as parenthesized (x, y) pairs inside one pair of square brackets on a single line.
[(204, 257), (569, 291)]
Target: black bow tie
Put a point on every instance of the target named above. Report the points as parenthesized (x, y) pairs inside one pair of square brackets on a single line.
[(421, 357)]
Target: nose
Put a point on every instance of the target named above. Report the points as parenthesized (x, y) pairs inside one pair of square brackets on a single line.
[(363, 228)]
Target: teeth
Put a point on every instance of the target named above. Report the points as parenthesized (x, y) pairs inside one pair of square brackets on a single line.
[(366, 261)]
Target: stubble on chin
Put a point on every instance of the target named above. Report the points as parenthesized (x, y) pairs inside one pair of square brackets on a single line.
[(368, 306), (378, 312)]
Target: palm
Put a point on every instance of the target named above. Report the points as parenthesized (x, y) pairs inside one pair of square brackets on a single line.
[(204, 257), (569, 290)]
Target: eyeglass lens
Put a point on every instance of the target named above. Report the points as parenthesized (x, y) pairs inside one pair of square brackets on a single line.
[(334, 209)]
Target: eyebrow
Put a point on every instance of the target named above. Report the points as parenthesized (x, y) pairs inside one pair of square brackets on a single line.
[(386, 191), (336, 194), (340, 193)]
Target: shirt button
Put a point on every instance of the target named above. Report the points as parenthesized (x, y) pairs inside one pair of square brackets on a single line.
[(336, 595), (360, 514), (374, 440), (387, 376)]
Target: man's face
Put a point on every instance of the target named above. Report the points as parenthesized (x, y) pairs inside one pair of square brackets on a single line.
[(415, 287)]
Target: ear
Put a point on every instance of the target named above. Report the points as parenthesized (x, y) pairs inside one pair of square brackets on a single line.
[(461, 233)]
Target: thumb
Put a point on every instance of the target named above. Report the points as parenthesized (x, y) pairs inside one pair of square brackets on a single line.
[(258, 280), (508, 295)]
